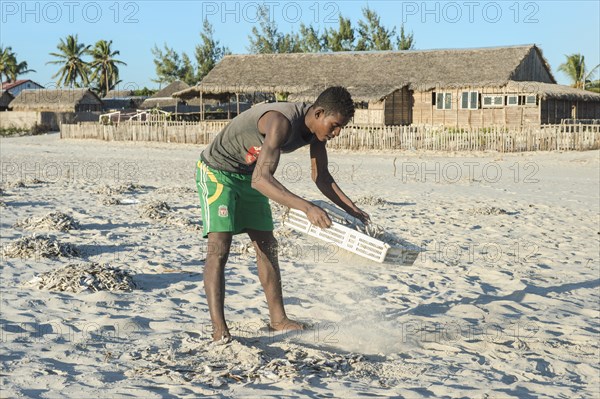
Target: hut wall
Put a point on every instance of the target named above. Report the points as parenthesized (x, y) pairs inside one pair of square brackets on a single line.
[(28, 119), (425, 112), (554, 111), (373, 115), (398, 107), (532, 68)]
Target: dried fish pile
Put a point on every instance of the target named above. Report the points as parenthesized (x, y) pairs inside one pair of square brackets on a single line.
[(124, 188), (34, 246), (84, 276), (155, 210), (16, 184), (34, 180), (217, 365), (182, 222), (110, 201), (488, 210), (56, 221), (175, 190), (371, 200)]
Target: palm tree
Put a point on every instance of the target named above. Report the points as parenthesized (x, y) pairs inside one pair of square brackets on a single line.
[(7, 63), (9, 66), (104, 65), (20, 68), (73, 68), (574, 68)]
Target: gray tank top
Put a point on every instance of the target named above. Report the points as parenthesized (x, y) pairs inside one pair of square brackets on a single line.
[(237, 147)]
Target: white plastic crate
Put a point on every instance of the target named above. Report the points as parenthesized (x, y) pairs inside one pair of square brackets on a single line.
[(339, 234)]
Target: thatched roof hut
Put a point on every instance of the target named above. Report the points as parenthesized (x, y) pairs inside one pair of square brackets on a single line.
[(5, 99), (371, 76), (119, 94), (552, 91), (63, 100), (163, 98)]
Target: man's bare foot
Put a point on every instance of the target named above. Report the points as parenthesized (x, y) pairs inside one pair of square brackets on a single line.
[(286, 324), (221, 334)]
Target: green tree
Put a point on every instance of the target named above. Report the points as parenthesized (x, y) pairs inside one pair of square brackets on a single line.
[(371, 34), (268, 39), (104, 65), (340, 39), (405, 41), (309, 40), (8, 62), (574, 67), (187, 72), (74, 70), (265, 41), (168, 65), (208, 52)]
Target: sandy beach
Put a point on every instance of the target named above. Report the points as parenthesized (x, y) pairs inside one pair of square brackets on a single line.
[(501, 301)]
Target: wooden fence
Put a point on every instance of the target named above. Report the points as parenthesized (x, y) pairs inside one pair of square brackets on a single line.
[(502, 139)]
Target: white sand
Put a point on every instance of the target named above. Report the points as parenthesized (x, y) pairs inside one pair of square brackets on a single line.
[(503, 302)]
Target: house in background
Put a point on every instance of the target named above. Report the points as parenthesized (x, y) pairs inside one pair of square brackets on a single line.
[(63, 100), (122, 100), (17, 86), (50, 108), (164, 100), (498, 86)]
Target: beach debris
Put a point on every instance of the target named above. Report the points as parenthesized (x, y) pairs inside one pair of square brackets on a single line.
[(34, 180), (155, 210), (122, 189), (175, 190), (488, 210), (160, 210), (176, 220), (16, 184), (45, 246), (56, 221), (218, 365), (110, 201), (79, 277), (371, 200)]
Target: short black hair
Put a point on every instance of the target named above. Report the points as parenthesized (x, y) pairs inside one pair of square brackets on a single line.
[(336, 99)]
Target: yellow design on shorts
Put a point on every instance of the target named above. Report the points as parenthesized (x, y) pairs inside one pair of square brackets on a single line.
[(213, 179)]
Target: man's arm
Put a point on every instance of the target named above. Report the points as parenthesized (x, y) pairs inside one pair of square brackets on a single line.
[(327, 185), (277, 129)]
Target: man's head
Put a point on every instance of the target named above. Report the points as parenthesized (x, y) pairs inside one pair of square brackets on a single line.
[(332, 110)]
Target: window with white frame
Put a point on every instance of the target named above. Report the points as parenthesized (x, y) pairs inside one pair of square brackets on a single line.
[(512, 100), (443, 101), (469, 100), (493, 100), (530, 99)]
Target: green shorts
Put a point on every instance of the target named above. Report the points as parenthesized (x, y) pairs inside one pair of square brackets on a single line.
[(229, 203)]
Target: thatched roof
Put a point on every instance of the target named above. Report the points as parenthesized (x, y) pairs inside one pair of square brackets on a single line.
[(119, 94), (369, 76), (5, 99), (62, 100), (548, 90), (163, 98)]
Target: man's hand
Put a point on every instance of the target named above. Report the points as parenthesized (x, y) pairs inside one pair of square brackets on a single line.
[(360, 215), (318, 217)]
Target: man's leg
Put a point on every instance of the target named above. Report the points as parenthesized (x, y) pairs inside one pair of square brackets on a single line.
[(214, 281), (270, 278)]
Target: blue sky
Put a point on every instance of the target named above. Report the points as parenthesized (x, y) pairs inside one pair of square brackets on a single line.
[(33, 29)]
